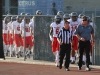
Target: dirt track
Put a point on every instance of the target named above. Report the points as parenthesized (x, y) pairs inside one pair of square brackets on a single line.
[(29, 69)]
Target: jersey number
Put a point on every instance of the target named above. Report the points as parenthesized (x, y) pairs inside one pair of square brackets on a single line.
[(74, 28), (57, 30), (18, 28), (27, 29)]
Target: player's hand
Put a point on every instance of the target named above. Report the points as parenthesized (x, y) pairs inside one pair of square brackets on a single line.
[(51, 38), (92, 43), (19, 35), (82, 39), (60, 42)]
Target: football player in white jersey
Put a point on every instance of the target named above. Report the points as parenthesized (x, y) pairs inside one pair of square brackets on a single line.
[(74, 22), (22, 15), (31, 24), (17, 35), (5, 31), (26, 34), (55, 28), (65, 18), (27, 14), (61, 13), (13, 18)]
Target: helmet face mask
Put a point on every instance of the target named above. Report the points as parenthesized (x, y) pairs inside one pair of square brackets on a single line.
[(7, 19), (27, 14), (74, 18), (13, 18), (60, 13), (57, 19), (22, 14), (27, 19), (66, 17), (19, 19)]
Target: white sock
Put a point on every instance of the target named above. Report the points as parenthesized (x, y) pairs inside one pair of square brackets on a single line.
[(16, 50), (73, 58), (5, 51), (84, 58), (54, 54), (90, 58), (21, 48), (76, 55), (26, 51), (10, 49), (57, 58), (7, 46)]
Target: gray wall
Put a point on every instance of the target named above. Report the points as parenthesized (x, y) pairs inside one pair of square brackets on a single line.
[(81, 5)]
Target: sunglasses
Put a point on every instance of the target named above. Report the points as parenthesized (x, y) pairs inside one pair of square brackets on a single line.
[(85, 20)]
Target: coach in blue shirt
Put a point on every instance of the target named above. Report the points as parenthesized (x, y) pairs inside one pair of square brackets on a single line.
[(85, 33)]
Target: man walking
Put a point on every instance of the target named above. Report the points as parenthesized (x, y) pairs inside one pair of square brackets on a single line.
[(64, 38), (85, 33)]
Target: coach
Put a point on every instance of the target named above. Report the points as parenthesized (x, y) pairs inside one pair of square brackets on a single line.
[(85, 33)]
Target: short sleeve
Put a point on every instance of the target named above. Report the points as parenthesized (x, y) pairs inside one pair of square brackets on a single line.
[(92, 31), (51, 25), (60, 34), (22, 26), (31, 25), (13, 25), (77, 30)]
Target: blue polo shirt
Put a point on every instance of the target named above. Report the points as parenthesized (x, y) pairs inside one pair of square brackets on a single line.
[(85, 31)]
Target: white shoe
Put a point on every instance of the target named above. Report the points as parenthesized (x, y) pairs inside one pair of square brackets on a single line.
[(87, 69), (17, 55)]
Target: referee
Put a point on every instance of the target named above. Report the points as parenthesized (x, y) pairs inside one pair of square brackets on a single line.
[(85, 33), (64, 38)]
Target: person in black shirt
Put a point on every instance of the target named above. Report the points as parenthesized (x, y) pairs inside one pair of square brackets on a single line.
[(64, 38)]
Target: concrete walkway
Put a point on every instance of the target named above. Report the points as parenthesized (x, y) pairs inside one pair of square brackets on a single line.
[(38, 62)]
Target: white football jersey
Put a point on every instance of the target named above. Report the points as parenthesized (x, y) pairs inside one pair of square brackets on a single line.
[(62, 22), (74, 24), (25, 29), (5, 28), (10, 29), (31, 24), (91, 23), (56, 28), (16, 27)]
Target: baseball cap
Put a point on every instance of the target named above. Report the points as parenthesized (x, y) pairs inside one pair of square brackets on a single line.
[(66, 21), (85, 18)]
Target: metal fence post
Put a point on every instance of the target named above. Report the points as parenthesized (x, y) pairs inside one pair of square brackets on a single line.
[(93, 52)]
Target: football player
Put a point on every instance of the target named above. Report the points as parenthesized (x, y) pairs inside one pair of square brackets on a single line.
[(55, 27), (74, 22)]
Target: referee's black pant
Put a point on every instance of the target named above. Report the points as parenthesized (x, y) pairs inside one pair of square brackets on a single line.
[(84, 46), (64, 51)]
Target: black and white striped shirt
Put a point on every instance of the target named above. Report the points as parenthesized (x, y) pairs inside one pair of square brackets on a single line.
[(65, 36)]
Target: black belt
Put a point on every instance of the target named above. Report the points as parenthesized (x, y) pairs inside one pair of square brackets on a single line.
[(85, 41)]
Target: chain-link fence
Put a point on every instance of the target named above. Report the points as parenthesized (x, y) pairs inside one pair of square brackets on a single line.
[(42, 48), (96, 50), (42, 44)]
